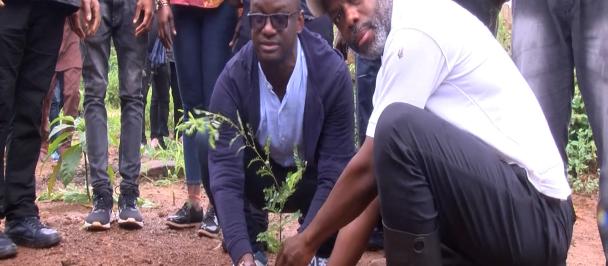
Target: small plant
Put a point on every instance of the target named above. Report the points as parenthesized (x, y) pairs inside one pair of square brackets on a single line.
[(68, 134), (277, 195)]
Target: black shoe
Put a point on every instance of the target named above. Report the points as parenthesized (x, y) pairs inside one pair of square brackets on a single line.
[(7, 247), (101, 215), (30, 232), (187, 216), (210, 226), (128, 214)]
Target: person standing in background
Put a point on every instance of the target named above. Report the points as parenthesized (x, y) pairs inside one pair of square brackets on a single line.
[(200, 33)]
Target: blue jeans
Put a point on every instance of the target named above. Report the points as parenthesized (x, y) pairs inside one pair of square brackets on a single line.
[(201, 50), (550, 39), (117, 26)]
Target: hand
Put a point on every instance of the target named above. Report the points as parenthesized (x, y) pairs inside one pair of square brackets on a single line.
[(295, 251), (89, 16), (143, 8), (166, 26), (247, 260), (1, 4)]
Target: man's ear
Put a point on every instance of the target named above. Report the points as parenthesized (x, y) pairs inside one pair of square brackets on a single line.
[(300, 22)]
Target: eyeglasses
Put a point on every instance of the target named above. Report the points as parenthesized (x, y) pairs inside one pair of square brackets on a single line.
[(279, 21)]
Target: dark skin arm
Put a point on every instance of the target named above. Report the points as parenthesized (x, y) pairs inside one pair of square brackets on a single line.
[(352, 239), (353, 192), (143, 13), (166, 26), (85, 21)]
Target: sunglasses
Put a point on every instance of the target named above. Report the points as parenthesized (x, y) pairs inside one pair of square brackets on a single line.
[(278, 21)]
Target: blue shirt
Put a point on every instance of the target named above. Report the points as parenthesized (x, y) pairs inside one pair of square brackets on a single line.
[(281, 121)]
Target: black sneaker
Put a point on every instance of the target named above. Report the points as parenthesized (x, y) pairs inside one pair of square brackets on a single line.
[(30, 232), (186, 217), (210, 226), (101, 215), (128, 214), (7, 247)]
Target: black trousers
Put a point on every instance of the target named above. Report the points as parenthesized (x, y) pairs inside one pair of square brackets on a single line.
[(30, 36), (255, 215), (434, 176)]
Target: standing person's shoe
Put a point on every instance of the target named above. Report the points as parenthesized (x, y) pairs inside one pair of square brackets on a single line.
[(186, 217), (29, 232), (101, 215), (210, 226), (129, 216), (7, 247)]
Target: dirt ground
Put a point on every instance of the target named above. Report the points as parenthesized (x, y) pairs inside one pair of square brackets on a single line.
[(155, 244)]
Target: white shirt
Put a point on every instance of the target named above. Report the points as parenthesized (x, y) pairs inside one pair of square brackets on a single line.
[(441, 58), (282, 121)]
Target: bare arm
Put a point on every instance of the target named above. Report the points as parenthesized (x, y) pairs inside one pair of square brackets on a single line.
[(353, 192), (352, 239)]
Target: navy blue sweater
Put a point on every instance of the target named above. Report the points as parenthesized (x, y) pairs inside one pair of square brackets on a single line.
[(328, 131)]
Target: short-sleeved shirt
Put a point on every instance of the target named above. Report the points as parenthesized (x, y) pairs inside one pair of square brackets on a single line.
[(441, 58)]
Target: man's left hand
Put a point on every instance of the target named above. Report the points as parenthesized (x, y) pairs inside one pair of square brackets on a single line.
[(295, 252), (143, 13)]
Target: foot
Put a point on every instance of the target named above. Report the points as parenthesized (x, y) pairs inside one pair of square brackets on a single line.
[(186, 217), (129, 216), (29, 232), (7, 247), (100, 217), (210, 226)]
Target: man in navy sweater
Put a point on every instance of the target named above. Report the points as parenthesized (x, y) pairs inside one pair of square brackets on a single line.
[(290, 87)]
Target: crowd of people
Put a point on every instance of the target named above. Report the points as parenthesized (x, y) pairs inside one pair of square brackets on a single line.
[(463, 148)]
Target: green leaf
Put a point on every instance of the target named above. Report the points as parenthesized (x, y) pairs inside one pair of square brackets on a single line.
[(70, 159), (58, 141)]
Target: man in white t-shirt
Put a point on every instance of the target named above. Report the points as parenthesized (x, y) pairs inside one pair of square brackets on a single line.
[(457, 149)]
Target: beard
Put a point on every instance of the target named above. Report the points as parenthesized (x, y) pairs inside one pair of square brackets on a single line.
[(380, 24)]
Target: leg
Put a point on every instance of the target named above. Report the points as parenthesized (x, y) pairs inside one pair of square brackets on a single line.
[(542, 52), (177, 100), (432, 176), (366, 85), (131, 54), (146, 78), (13, 19), (48, 108), (160, 99), (215, 35), (590, 47), (43, 39), (96, 52)]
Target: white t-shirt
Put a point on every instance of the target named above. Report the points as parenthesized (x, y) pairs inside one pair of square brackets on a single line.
[(440, 57)]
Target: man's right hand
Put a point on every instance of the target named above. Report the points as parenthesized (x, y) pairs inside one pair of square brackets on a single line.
[(90, 14), (166, 26), (247, 260)]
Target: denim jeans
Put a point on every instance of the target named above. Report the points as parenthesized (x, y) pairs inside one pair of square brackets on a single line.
[(550, 39), (201, 50), (117, 26)]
